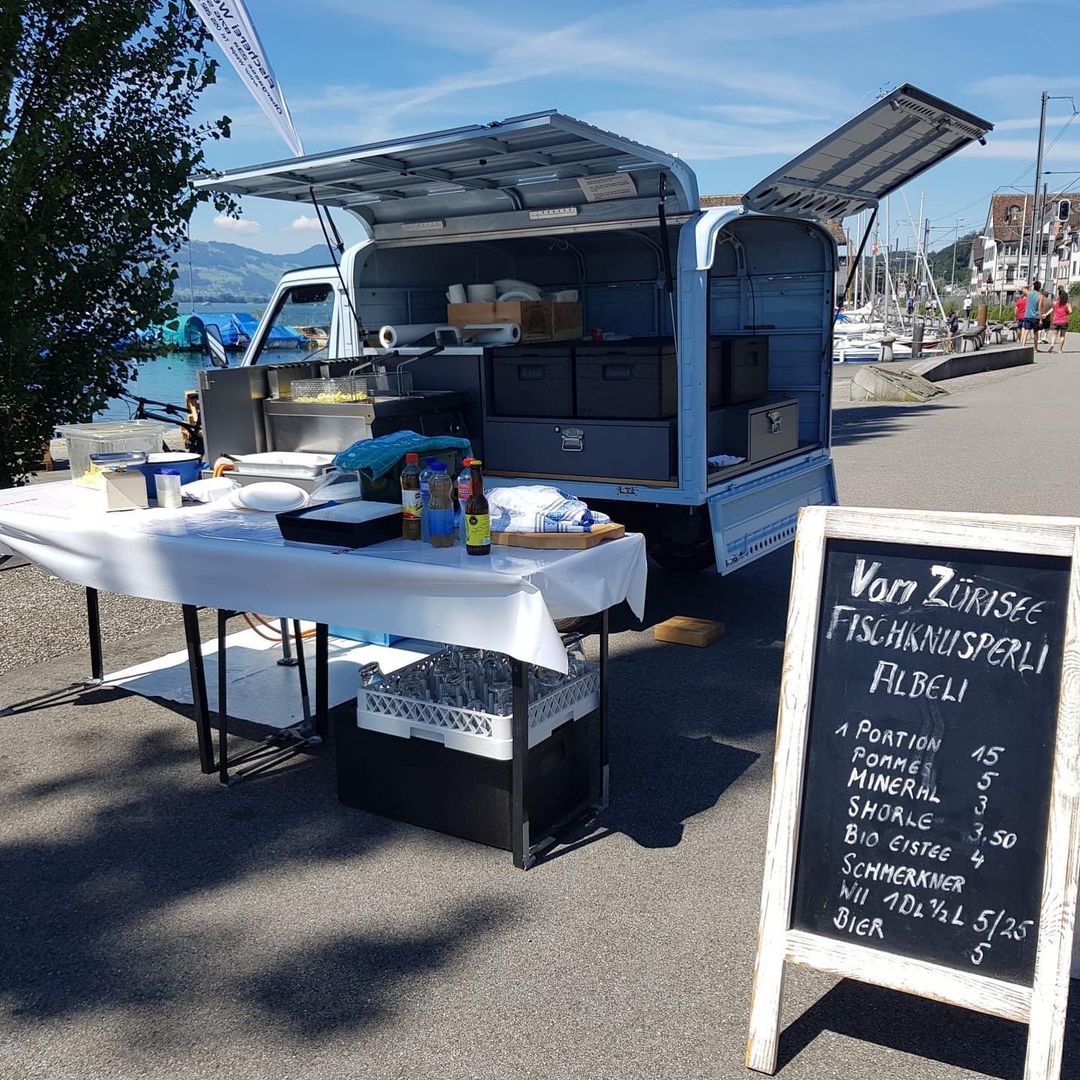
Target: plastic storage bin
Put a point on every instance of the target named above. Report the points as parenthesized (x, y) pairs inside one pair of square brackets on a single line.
[(532, 380), (471, 731), (631, 380), (109, 437)]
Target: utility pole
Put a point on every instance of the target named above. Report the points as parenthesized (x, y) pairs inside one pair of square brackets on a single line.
[(1037, 216), (956, 240), (1047, 264)]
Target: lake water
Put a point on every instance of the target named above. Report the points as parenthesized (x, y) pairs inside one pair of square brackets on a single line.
[(167, 377)]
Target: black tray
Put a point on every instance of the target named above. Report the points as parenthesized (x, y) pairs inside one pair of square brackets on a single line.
[(295, 525)]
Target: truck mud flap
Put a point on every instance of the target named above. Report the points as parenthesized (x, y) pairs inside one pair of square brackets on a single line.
[(753, 515)]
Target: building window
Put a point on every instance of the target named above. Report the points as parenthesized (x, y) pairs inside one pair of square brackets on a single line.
[(1012, 215)]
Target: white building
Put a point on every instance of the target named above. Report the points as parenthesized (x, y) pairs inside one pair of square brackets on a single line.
[(999, 257)]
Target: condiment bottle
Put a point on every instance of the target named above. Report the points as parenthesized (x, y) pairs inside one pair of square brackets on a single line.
[(410, 498), (425, 479), (464, 489), (440, 511), (476, 515)]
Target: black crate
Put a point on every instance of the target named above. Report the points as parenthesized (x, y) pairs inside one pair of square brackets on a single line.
[(532, 380), (631, 380), (738, 370), (426, 784)]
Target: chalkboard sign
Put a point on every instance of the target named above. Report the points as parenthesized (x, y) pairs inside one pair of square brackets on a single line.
[(930, 752), (924, 813)]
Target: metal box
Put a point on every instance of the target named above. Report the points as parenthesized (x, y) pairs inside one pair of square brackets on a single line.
[(611, 450), (737, 370), (755, 432), (532, 380), (635, 379)]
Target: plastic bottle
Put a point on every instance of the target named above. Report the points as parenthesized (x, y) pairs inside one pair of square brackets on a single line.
[(441, 508), (464, 489), (476, 515), (425, 479), (410, 497)]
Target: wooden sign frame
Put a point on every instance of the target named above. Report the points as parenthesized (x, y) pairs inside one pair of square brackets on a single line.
[(1042, 1006)]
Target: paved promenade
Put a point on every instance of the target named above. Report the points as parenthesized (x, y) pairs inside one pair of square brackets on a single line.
[(154, 925)]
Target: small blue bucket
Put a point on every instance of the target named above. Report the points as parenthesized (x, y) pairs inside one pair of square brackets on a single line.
[(187, 464)]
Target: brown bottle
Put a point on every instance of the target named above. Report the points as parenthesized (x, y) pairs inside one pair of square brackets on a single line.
[(476, 515)]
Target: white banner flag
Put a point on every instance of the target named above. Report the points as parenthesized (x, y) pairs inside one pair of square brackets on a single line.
[(231, 27)]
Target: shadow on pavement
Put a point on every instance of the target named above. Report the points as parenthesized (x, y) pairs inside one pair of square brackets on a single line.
[(357, 980), (119, 848), (876, 421), (923, 1028)]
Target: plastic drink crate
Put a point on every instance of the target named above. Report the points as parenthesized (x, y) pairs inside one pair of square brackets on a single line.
[(471, 731)]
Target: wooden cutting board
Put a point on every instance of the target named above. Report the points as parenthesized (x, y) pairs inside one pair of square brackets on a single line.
[(560, 540)]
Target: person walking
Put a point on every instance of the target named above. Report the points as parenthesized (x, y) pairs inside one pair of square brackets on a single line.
[(1020, 310), (1031, 313), (967, 309), (1059, 321)]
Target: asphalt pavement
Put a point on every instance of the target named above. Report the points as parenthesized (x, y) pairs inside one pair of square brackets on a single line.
[(154, 924)]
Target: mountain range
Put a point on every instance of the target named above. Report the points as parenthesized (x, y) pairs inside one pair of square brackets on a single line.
[(232, 274)]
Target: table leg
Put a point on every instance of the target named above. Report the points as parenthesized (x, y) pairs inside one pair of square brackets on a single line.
[(93, 619), (223, 702), (301, 671), (520, 835), (198, 688), (604, 708), (322, 679)]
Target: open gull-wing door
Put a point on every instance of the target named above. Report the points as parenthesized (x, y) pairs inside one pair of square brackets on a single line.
[(896, 139), (525, 172)]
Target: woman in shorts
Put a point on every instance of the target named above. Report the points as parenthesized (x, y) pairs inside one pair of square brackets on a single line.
[(1059, 320)]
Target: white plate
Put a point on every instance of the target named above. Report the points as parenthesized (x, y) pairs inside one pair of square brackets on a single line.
[(519, 294), (272, 496)]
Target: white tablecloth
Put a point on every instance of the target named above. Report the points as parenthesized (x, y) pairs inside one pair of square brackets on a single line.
[(236, 559)]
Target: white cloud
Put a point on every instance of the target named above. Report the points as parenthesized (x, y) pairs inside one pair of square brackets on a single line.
[(1018, 87), (240, 226), (304, 223), (1064, 155), (703, 140)]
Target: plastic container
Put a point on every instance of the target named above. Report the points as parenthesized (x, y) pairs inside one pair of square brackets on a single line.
[(111, 437), (473, 732), (167, 489), (410, 498)]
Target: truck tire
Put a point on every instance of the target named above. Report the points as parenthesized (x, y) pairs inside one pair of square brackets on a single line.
[(684, 558)]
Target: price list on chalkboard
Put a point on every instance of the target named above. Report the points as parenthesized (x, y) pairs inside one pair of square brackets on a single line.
[(930, 752)]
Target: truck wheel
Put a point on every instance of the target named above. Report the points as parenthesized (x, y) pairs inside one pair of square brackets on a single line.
[(684, 558)]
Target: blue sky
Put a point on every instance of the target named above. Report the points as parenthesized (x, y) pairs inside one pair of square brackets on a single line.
[(735, 89)]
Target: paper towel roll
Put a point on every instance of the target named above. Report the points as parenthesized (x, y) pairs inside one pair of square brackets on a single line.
[(392, 337), (492, 333)]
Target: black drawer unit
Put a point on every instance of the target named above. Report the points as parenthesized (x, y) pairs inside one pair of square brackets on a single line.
[(756, 432), (738, 370), (532, 380), (428, 784), (594, 449), (628, 380)]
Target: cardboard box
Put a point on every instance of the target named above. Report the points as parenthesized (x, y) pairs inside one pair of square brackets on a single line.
[(540, 320), (683, 630)]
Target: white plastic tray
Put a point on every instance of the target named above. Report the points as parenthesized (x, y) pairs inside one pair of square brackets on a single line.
[(473, 732), (284, 463)]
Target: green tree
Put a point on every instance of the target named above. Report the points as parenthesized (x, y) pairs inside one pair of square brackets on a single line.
[(97, 140)]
